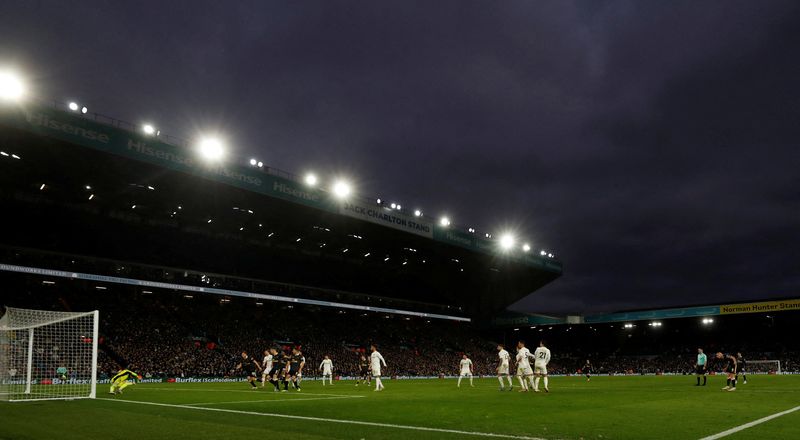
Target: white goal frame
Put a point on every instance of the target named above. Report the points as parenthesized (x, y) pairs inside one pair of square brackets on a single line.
[(55, 351), (763, 362)]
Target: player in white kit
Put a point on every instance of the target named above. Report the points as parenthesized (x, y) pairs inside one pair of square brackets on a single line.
[(327, 370), (524, 371), (502, 368), (541, 357), (466, 370), (267, 366), (375, 361)]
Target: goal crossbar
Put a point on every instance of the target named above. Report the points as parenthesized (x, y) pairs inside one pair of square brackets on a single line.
[(48, 355)]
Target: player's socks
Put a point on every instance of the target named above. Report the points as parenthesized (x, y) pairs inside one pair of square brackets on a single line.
[(459, 382), (522, 384), (704, 381), (536, 384), (502, 385), (698, 381), (470, 382), (510, 382)]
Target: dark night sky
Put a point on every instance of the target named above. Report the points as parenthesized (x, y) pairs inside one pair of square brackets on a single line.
[(652, 145)]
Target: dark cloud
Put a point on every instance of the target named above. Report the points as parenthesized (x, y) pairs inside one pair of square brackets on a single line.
[(651, 145)]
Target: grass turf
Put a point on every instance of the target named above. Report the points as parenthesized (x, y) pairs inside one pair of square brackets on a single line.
[(607, 407)]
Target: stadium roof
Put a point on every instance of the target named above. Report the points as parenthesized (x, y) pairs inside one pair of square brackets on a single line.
[(116, 184), (761, 306)]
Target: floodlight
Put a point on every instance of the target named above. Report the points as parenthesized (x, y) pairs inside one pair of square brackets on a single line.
[(260, 164), (84, 110), (148, 129), (341, 189), (11, 87), (507, 241), (393, 205), (417, 213), (526, 247), (211, 149), (311, 179), (253, 162), (444, 221), (399, 208), (73, 106)]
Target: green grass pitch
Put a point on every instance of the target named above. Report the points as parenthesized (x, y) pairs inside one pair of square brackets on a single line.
[(605, 408)]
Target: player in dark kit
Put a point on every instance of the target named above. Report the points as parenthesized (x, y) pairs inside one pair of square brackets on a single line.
[(587, 370), (285, 358), (248, 367), (741, 363), (363, 365), (296, 363), (730, 369), (276, 370)]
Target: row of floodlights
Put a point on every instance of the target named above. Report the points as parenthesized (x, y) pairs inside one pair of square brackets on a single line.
[(704, 321), (213, 149)]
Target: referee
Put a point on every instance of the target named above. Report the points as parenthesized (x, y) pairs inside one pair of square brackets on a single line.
[(700, 367)]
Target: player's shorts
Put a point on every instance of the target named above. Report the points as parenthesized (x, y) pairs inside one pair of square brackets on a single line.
[(524, 371), (364, 371), (327, 372), (275, 371), (540, 369), (293, 371), (248, 373), (700, 370), (466, 373), (502, 369), (376, 371)]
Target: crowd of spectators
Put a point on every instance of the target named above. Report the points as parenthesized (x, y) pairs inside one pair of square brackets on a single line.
[(170, 334)]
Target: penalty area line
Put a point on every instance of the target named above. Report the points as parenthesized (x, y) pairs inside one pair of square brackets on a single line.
[(736, 429), (322, 419)]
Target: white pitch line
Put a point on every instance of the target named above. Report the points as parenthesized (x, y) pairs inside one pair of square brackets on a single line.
[(346, 422), (206, 390), (750, 424), (273, 400)]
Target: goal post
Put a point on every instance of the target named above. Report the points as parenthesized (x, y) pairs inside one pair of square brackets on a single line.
[(48, 355), (764, 366)]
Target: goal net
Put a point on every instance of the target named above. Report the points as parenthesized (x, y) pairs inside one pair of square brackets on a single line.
[(768, 366), (47, 355)]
